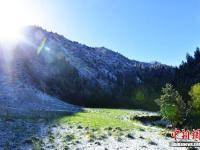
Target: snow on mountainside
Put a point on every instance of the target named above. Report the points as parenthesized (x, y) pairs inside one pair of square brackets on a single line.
[(45, 63)]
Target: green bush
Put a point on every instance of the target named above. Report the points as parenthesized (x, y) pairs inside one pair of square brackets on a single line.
[(172, 107), (195, 96), (194, 104)]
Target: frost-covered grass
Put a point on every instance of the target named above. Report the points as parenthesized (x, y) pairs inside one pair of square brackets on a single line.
[(89, 129)]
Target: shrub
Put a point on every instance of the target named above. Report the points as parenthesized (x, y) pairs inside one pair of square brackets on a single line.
[(194, 103), (195, 96), (172, 107)]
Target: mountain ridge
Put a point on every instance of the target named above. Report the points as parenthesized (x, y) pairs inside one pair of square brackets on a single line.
[(153, 62), (82, 75)]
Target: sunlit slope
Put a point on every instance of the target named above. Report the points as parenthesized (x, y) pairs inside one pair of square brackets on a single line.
[(42, 70), (90, 76)]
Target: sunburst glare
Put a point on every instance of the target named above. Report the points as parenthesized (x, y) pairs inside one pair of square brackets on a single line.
[(13, 18)]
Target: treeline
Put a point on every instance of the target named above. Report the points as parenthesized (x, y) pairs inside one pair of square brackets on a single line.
[(152, 79), (180, 101), (187, 74)]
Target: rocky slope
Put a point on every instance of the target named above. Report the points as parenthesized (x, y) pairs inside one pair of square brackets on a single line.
[(19, 97), (44, 65)]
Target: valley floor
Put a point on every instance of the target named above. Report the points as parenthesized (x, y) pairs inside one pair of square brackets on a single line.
[(95, 129)]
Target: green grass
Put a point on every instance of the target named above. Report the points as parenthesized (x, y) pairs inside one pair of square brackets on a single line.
[(100, 118), (37, 143)]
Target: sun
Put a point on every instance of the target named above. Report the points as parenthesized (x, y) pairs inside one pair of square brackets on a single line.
[(13, 17), (8, 32)]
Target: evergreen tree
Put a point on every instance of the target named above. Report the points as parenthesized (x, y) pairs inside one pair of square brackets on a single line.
[(197, 55), (187, 74)]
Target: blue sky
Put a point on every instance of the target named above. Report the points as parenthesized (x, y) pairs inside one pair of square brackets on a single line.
[(145, 30)]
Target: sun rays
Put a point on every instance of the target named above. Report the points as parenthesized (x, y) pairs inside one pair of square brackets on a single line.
[(13, 16)]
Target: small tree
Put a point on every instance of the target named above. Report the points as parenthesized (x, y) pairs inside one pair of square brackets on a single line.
[(172, 107), (195, 96), (195, 105)]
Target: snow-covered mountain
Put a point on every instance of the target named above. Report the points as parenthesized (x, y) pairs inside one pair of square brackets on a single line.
[(45, 68)]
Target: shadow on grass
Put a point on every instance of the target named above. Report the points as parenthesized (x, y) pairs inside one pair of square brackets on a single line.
[(152, 120), (146, 119)]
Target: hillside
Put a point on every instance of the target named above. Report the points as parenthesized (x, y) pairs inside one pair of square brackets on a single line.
[(44, 75), (48, 63)]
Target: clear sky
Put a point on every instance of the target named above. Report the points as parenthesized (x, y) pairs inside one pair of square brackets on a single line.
[(145, 30)]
